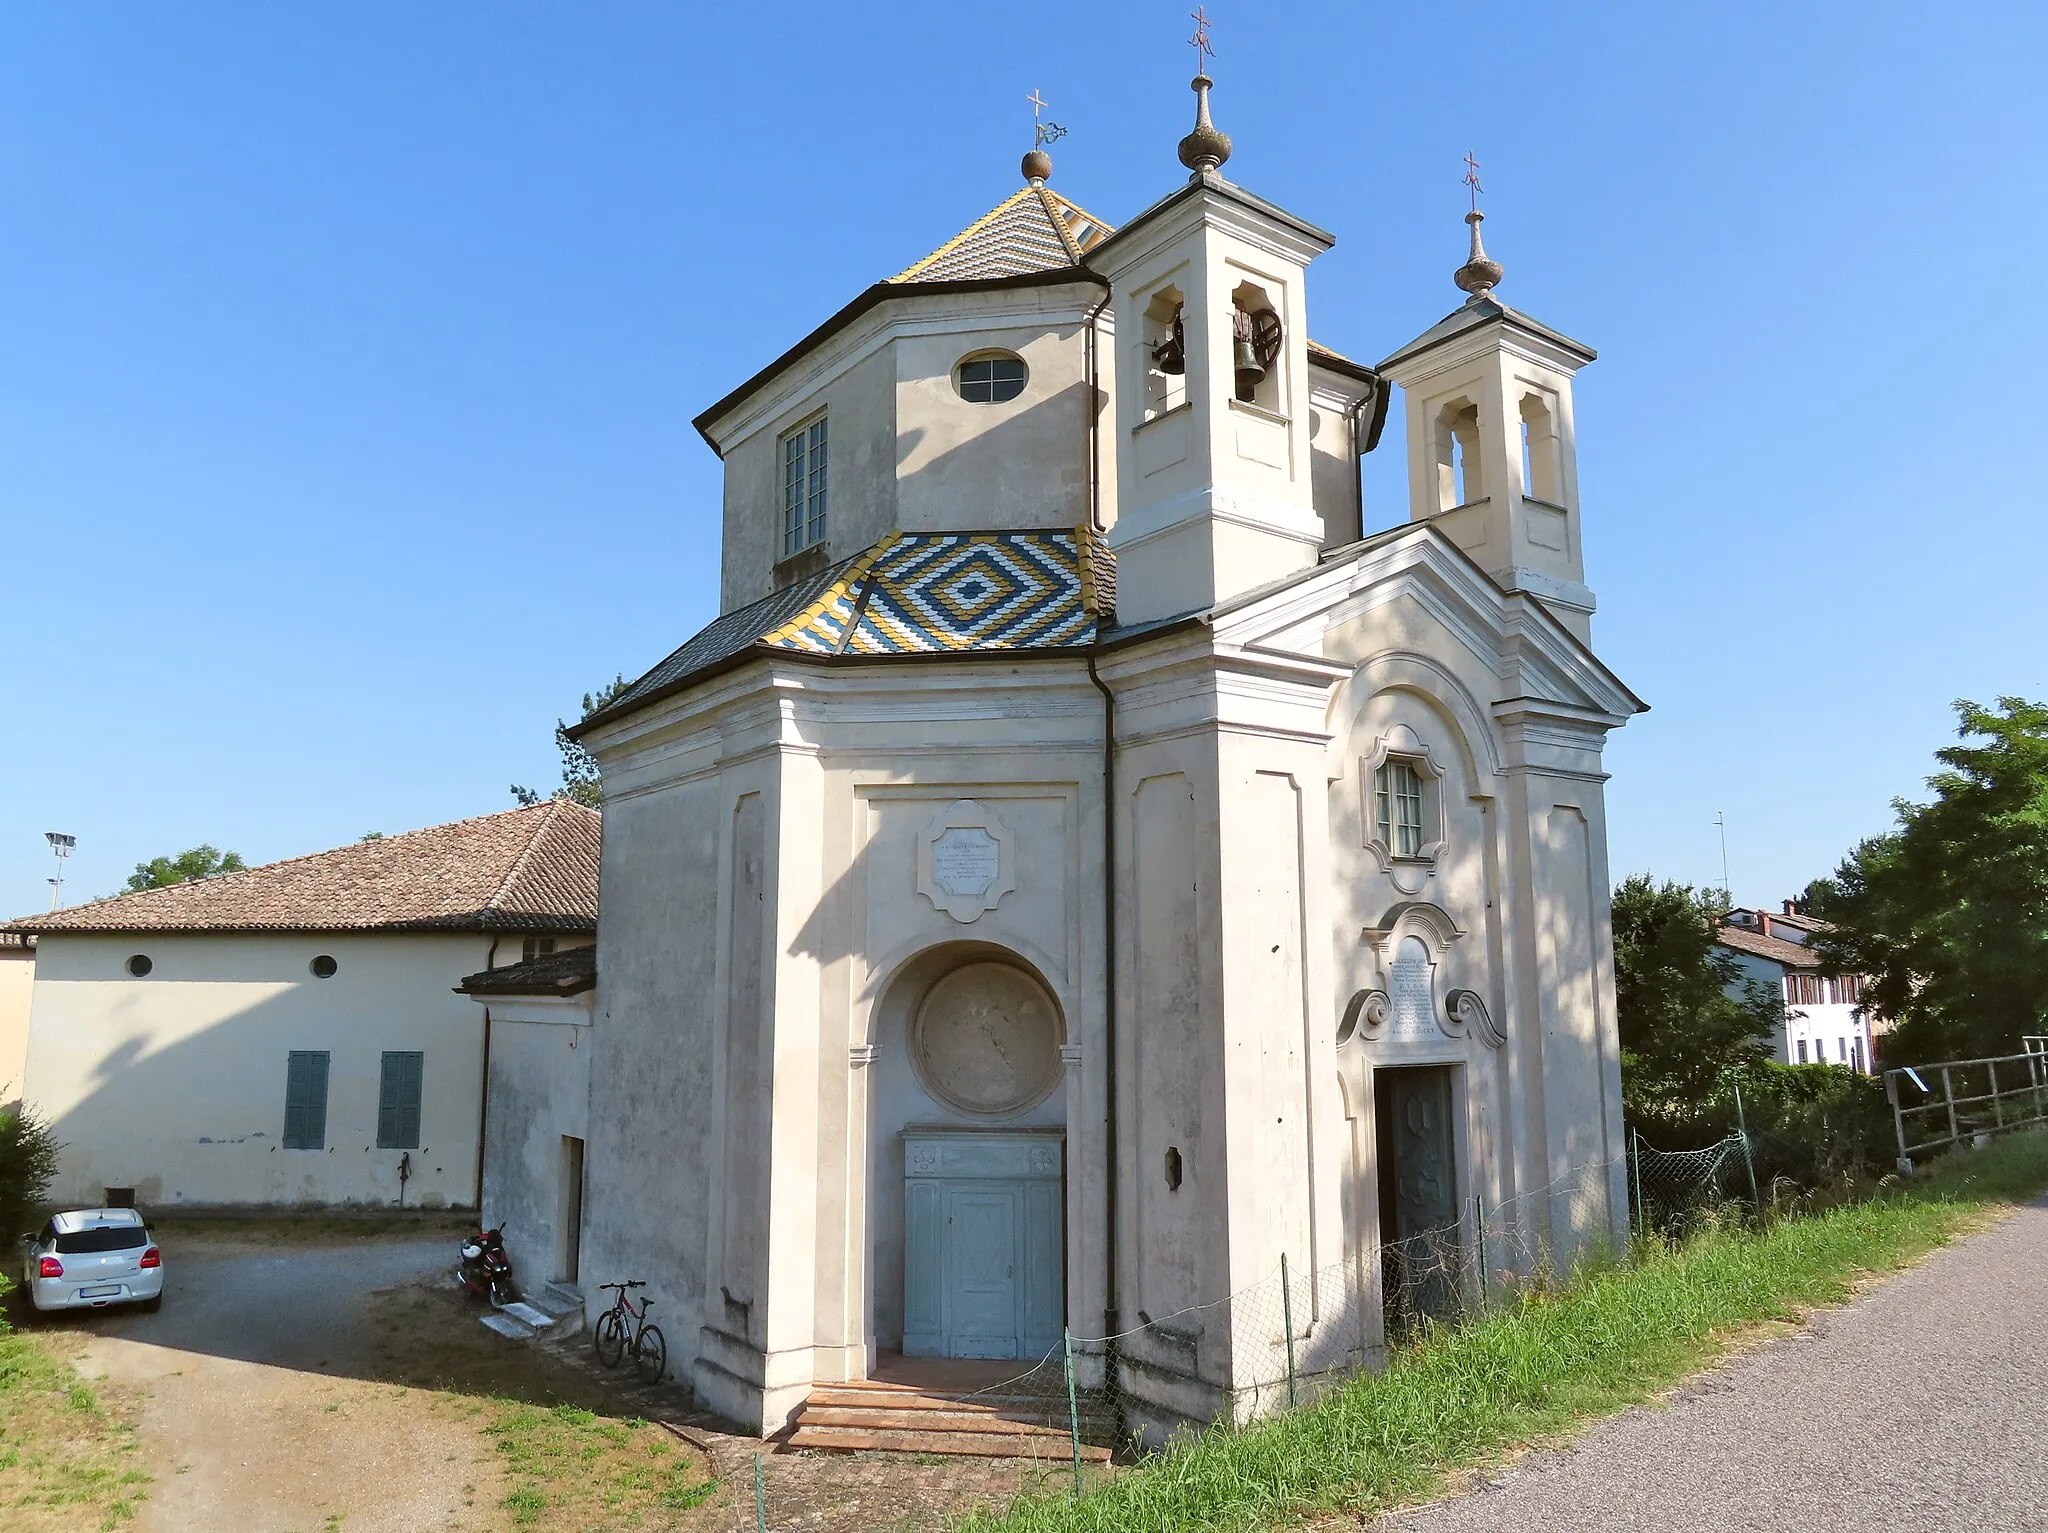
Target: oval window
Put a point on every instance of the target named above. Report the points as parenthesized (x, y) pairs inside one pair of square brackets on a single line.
[(990, 380), (139, 965), (323, 967)]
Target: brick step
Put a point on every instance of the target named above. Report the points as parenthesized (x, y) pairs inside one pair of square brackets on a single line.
[(976, 1444), (982, 1422), (896, 1399)]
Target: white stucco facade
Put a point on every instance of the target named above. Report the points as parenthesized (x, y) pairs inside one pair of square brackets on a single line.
[(174, 1084), (17, 984), (537, 1119), (1119, 937)]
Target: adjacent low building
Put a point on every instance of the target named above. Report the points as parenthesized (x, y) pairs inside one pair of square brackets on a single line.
[(17, 980), (537, 1033), (1825, 1019), (292, 1034)]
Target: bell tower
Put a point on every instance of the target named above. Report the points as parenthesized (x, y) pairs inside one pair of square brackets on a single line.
[(1491, 457), (1211, 412)]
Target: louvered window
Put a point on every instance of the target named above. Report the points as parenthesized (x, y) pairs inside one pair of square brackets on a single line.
[(803, 487), (398, 1101), (305, 1100)]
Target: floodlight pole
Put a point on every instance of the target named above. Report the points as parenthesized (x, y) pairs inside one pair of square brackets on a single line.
[(60, 848)]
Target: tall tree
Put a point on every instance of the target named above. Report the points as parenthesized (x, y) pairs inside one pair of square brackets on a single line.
[(579, 767), (201, 861), (1681, 1028), (1947, 915)]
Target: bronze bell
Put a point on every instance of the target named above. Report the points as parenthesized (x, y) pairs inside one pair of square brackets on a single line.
[(1251, 372), (1171, 354)]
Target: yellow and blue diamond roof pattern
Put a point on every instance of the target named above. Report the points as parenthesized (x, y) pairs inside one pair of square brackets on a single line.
[(913, 593), (934, 593)]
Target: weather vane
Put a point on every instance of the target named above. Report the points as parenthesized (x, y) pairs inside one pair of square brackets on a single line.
[(1204, 50), (1045, 131), (1472, 178)]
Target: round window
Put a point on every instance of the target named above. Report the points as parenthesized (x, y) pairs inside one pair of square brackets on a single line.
[(323, 967), (140, 965), (990, 380)]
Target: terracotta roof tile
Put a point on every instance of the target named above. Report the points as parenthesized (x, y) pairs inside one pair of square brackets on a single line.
[(528, 869), (568, 972), (1776, 949)]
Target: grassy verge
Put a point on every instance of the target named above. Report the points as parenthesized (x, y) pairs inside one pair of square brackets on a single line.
[(571, 1465), (1536, 1369), (66, 1459)]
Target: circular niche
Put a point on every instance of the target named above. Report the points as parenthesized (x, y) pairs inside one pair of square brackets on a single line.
[(986, 1040)]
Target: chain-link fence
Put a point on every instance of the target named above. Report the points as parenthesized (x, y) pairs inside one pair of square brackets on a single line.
[(1672, 1191)]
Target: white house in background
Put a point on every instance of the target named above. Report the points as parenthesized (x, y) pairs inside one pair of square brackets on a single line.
[(291, 1034), (1078, 870), (17, 982), (1825, 1020)]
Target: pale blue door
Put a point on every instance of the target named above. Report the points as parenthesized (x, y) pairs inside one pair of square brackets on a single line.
[(985, 1230), (984, 1249)]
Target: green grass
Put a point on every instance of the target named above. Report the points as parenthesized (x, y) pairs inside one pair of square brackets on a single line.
[(1534, 1369), (571, 1466), (65, 1460)]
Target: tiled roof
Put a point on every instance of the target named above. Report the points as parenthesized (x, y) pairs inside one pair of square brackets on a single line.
[(528, 869), (1791, 954), (913, 593), (569, 972), (1038, 230), (922, 593), (1029, 231), (17, 945)]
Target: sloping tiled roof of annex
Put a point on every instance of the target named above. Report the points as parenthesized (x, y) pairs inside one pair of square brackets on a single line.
[(913, 593), (528, 869), (568, 972)]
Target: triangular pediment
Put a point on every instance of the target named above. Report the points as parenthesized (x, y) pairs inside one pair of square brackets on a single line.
[(1532, 656)]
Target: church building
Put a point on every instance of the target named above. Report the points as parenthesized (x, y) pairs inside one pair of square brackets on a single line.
[(1086, 861)]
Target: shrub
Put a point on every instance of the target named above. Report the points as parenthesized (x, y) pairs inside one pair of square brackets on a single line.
[(28, 1164)]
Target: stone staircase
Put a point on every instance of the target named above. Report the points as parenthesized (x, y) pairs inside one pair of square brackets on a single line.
[(555, 1309), (876, 1415)]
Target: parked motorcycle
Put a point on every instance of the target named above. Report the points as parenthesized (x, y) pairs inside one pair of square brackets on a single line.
[(486, 1270)]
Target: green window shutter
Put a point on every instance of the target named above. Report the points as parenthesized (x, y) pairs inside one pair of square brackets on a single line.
[(305, 1099), (398, 1100)]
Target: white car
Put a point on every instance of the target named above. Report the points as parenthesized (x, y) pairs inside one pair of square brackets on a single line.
[(92, 1258)]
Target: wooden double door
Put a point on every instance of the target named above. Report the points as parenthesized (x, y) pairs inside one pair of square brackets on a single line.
[(984, 1246)]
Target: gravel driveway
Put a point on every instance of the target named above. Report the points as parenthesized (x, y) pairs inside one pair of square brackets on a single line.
[(1923, 1404), (260, 1415)]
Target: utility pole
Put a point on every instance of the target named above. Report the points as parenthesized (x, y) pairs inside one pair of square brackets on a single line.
[(60, 846), (1721, 821)]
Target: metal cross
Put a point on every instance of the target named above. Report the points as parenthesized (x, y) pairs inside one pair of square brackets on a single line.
[(1200, 41), (1472, 178), (1043, 132)]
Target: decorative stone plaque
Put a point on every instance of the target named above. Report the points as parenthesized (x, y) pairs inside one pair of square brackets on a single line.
[(1409, 995), (966, 861)]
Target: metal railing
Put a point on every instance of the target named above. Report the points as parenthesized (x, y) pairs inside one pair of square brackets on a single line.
[(1967, 1099)]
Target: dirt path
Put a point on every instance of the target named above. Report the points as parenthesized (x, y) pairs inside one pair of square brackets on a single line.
[(258, 1412)]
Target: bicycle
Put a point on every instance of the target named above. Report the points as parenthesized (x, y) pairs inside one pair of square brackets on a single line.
[(622, 1329)]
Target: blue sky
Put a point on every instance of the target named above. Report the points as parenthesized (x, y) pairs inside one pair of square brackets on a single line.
[(347, 358)]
